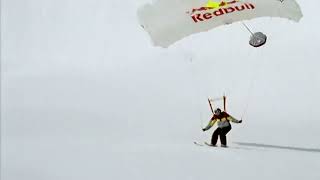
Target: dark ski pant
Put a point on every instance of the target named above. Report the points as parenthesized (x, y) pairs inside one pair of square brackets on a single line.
[(222, 132)]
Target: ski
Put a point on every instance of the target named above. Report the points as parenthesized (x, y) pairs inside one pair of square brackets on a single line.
[(203, 144), (208, 144), (198, 144)]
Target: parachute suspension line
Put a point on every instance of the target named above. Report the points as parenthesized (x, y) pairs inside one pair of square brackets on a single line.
[(251, 86), (195, 82), (247, 28), (248, 97)]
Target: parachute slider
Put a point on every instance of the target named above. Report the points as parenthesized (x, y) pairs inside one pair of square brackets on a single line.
[(258, 39)]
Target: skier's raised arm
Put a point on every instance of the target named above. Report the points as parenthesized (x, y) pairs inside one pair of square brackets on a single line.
[(210, 124), (234, 120)]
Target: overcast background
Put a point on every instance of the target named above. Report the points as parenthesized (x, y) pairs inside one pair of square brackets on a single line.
[(85, 95)]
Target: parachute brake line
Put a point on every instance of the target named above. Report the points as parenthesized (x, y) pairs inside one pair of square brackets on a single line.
[(247, 28)]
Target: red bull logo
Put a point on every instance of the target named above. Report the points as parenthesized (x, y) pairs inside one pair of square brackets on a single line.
[(213, 5), (214, 9)]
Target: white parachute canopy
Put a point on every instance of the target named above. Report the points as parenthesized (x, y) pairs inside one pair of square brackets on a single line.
[(168, 21)]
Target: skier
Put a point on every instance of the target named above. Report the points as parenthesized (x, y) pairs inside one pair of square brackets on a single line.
[(224, 126)]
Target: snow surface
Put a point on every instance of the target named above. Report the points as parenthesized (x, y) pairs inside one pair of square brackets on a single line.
[(85, 95)]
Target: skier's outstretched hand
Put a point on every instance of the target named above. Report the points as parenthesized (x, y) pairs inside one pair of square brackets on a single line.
[(240, 121), (203, 129)]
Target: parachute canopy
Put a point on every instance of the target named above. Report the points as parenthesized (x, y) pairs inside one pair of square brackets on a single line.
[(168, 21)]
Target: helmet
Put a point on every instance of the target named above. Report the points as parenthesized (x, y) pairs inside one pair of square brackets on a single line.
[(217, 111)]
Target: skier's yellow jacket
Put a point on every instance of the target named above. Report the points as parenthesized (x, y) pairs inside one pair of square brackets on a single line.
[(223, 120)]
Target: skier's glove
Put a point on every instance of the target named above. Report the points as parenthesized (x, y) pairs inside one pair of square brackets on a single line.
[(203, 129), (240, 121)]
